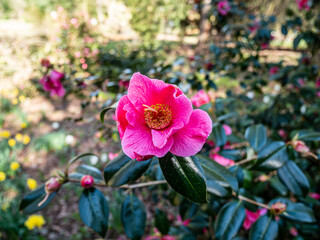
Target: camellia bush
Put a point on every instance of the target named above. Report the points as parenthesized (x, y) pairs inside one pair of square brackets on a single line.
[(239, 165)]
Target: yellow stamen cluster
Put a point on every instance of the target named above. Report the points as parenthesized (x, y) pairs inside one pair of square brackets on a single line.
[(158, 116)]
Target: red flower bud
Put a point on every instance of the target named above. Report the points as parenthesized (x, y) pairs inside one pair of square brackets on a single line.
[(278, 208), (52, 185), (87, 181)]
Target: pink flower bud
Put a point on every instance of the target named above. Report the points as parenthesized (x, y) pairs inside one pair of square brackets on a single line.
[(87, 181), (300, 146), (278, 208), (52, 185)]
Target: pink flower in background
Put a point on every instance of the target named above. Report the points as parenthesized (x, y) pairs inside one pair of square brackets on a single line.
[(282, 133), (251, 217), (185, 222), (155, 118), (45, 62), (303, 4), (318, 94), (301, 82), (318, 82), (200, 98), (274, 70), (52, 83), (227, 129), (223, 7), (73, 21), (222, 160), (264, 45), (112, 156), (255, 26), (293, 231), (124, 84), (315, 195)]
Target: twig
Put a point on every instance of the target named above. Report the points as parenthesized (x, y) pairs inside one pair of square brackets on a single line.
[(253, 202), (140, 185), (245, 161)]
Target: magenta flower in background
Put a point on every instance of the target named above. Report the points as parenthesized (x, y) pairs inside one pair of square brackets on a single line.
[(200, 98), (274, 70), (155, 118), (301, 82), (318, 94), (112, 156), (264, 45), (227, 129), (318, 82), (222, 160), (251, 217), (303, 4), (223, 7), (52, 83), (255, 26), (185, 222), (315, 195)]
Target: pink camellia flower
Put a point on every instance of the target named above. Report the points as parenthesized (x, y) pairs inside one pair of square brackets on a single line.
[(251, 217), (87, 181), (112, 156), (223, 7), (318, 94), (200, 98), (45, 62), (318, 82), (315, 195), (155, 118), (300, 146), (227, 129), (293, 231), (52, 83), (123, 83), (255, 26), (274, 70), (303, 4), (185, 222), (301, 82), (222, 160), (282, 133)]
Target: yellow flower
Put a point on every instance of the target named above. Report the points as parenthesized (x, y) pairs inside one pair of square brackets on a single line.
[(23, 125), (11, 142), (34, 221), (5, 134), (14, 166), (19, 137), (14, 101), (22, 98), (15, 92), (5, 206), (2, 176), (32, 184), (26, 139)]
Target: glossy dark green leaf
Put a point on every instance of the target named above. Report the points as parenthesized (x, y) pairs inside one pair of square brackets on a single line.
[(162, 222), (229, 220), (133, 217), (219, 135), (265, 228), (278, 186), (30, 202), (115, 165), (94, 210), (105, 110), (83, 170), (185, 175), (296, 41), (218, 173), (284, 30), (272, 156), (294, 179), (130, 172), (256, 135), (308, 135), (217, 190)]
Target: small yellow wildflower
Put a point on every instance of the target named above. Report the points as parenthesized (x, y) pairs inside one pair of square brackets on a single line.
[(32, 184), (26, 139), (22, 98), (11, 142), (2, 176), (5, 206), (14, 166), (19, 137), (23, 125), (15, 92), (5, 134), (14, 101), (34, 221)]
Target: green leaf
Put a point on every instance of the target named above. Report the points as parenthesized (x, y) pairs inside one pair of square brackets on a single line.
[(219, 135), (229, 220), (272, 156), (265, 228), (284, 30), (76, 158), (105, 110), (278, 186), (296, 41), (185, 175), (217, 190), (294, 179), (30, 202), (83, 170), (161, 222), (94, 210), (133, 217), (218, 173), (130, 172), (115, 165), (256, 136), (308, 135)]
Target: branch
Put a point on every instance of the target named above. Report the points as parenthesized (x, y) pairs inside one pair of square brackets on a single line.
[(253, 202)]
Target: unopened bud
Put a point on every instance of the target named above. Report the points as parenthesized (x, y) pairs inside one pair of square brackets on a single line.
[(300, 146), (278, 208), (87, 181), (52, 185)]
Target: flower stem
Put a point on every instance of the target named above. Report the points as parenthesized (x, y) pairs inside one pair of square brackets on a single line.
[(253, 202), (246, 160)]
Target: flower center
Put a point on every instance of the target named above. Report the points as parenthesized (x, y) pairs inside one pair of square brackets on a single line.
[(157, 116)]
